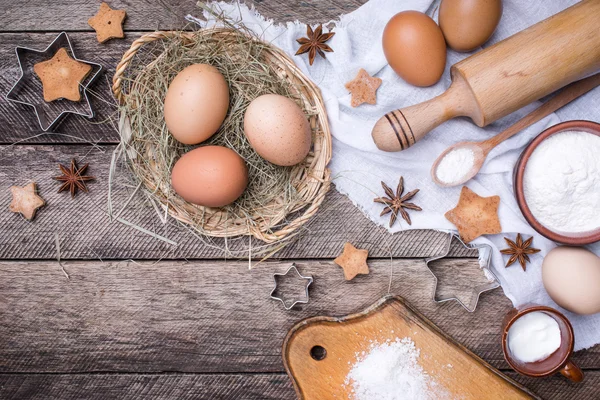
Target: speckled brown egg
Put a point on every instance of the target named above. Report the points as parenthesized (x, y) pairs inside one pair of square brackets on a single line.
[(277, 129), (196, 103), (211, 176), (415, 48), (468, 24)]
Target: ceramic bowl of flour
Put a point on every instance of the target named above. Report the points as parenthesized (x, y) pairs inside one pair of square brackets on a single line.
[(557, 182)]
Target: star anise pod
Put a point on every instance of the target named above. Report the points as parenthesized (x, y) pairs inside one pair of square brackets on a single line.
[(73, 178), (397, 203), (519, 251), (314, 43)]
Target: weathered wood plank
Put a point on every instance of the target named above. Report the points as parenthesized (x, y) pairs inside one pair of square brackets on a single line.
[(226, 387), (557, 387), (203, 317), (72, 15), (146, 386), (246, 386), (85, 231), (18, 121), (113, 315)]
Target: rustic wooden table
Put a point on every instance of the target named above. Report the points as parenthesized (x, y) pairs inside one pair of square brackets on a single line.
[(140, 318)]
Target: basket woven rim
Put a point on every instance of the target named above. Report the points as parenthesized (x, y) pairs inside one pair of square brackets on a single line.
[(314, 183)]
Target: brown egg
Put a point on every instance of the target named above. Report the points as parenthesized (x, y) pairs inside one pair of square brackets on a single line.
[(196, 103), (277, 129), (571, 276), (468, 24), (211, 176), (415, 48)]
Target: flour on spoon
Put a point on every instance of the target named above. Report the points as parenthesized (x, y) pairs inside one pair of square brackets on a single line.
[(455, 165)]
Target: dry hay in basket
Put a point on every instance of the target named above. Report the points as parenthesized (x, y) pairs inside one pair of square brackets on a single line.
[(252, 68)]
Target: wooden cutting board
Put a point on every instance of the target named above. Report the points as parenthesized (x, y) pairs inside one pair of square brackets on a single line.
[(460, 372)]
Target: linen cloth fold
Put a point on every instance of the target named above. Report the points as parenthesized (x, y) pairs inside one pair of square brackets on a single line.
[(358, 166)]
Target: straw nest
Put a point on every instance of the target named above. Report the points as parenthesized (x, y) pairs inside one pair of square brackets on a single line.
[(278, 200)]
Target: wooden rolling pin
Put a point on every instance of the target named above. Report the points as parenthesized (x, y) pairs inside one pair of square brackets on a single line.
[(505, 77)]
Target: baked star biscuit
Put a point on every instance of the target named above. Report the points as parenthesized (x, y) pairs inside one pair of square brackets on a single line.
[(25, 200), (363, 88), (61, 76), (108, 23)]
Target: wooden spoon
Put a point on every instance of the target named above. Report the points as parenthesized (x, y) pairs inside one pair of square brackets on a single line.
[(483, 148)]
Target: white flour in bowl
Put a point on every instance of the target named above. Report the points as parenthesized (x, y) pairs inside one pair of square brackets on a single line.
[(390, 371), (561, 182)]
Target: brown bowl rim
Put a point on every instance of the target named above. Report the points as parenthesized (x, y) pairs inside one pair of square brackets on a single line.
[(588, 126), (528, 310)]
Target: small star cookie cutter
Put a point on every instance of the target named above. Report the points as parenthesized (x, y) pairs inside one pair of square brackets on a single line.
[(485, 259), (309, 280), (27, 89)]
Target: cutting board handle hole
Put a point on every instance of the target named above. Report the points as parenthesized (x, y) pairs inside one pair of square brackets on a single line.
[(318, 353)]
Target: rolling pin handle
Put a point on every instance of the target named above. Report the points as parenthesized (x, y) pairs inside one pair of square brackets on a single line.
[(400, 129)]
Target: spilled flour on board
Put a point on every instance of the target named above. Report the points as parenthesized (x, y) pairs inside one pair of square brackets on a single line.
[(391, 371)]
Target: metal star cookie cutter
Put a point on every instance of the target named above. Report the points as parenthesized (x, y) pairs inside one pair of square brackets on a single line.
[(280, 298), (27, 89), (485, 258)]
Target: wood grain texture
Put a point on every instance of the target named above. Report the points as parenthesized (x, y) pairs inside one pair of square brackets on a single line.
[(146, 386), (203, 317), (199, 316), (143, 323), (342, 339), (18, 121), (86, 232), (42, 17), (72, 15), (557, 387), (217, 387)]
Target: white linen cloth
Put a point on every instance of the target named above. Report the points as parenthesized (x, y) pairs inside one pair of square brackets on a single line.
[(358, 166)]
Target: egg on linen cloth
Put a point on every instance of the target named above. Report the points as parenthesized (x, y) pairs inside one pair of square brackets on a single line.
[(467, 24), (277, 129), (196, 103), (415, 48)]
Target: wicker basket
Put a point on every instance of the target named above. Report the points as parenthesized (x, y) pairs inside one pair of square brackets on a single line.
[(310, 178)]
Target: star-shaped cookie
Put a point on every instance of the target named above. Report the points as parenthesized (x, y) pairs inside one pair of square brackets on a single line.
[(108, 23), (28, 89), (363, 88), (61, 76), (353, 261), (475, 215), (25, 200)]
